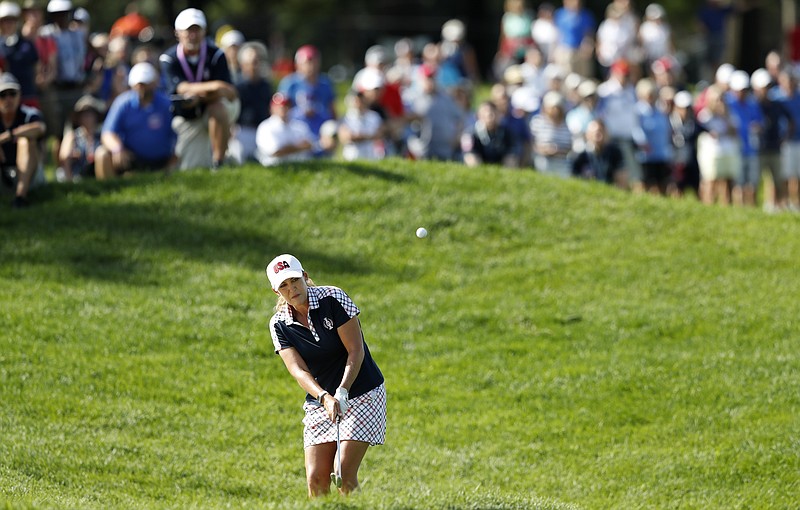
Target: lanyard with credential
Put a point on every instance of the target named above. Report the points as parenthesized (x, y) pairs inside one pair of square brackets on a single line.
[(201, 64)]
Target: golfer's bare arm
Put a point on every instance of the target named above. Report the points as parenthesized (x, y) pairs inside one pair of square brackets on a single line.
[(350, 333), (299, 370)]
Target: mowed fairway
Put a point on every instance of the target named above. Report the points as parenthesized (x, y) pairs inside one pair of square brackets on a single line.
[(551, 344)]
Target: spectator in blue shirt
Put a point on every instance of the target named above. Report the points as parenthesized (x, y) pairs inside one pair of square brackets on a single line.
[(576, 27), (653, 138), (749, 122), (310, 91), (137, 133)]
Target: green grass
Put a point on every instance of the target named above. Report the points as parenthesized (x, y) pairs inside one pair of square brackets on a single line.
[(552, 344)]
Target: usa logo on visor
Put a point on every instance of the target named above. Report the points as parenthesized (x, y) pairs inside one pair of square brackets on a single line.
[(280, 266)]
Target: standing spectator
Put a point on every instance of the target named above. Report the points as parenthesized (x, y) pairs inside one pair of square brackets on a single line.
[(514, 120), (749, 120), (685, 130), (21, 56), (617, 109), (361, 130), (33, 21), (576, 26), (776, 120), (722, 79), (616, 40), (230, 43), (578, 118), (383, 96), (197, 72), (255, 91), (137, 133), (655, 35), (515, 35), (713, 21), (80, 143), (653, 137), (401, 69), (490, 142), (788, 96), (600, 159), (280, 138), (773, 63), (718, 153), (552, 141), (70, 75), (438, 119), (22, 128), (110, 75), (544, 31), (310, 91), (457, 53)]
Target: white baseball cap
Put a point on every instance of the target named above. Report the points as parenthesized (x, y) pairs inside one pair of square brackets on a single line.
[(8, 82), (81, 15), (453, 30), (760, 79), (9, 10), (368, 78), (283, 267), (231, 38), (724, 72), (683, 99), (189, 17), (143, 72), (740, 80), (59, 6)]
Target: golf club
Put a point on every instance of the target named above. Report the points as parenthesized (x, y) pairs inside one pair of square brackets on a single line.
[(336, 476)]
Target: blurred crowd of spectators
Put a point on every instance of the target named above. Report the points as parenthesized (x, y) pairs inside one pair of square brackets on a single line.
[(571, 97)]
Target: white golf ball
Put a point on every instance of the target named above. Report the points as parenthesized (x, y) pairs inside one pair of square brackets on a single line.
[(422, 232)]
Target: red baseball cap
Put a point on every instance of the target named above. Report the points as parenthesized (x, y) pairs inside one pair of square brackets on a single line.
[(305, 53), (428, 70), (620, 66)]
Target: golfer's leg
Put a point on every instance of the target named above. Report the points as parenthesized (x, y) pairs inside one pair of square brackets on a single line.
[(352, 454), (319, 466)]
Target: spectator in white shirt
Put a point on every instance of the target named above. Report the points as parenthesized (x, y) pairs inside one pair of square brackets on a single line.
[(280, 139), (361, 130)]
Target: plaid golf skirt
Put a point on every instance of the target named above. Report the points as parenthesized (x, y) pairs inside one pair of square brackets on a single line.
[(365, 420)]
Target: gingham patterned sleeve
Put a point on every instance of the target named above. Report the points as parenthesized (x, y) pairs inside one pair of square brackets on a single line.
[(346, 309)]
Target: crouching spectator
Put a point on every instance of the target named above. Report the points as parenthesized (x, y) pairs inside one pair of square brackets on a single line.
[(490, 141), (137, 133), (280, 139), (22, 129), (76, 156), (207, 104), (361, 131)]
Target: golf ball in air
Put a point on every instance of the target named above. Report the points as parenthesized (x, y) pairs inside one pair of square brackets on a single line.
[(422, 232)]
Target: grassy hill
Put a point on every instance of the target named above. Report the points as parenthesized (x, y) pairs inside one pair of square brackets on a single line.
[(551, 344)]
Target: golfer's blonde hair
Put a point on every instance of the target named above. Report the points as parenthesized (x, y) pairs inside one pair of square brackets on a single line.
[(282, 301)]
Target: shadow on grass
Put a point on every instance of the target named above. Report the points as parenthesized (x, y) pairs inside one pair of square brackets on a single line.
[(135, 239), (358, 168)]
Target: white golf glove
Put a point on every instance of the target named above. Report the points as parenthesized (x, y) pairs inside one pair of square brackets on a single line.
[(342, 396)]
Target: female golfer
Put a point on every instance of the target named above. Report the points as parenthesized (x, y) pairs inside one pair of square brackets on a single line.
[(317, 334)]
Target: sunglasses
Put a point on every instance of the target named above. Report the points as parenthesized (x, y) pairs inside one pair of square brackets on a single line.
[(8, 93)]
